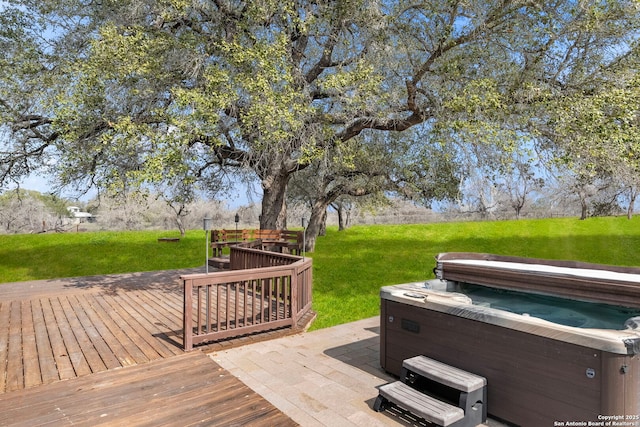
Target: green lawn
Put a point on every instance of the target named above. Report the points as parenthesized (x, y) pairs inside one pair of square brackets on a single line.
[(349, 266), (46, 256)]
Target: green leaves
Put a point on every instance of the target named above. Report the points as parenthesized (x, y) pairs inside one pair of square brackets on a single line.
[(272, 106), (601, 128), (478, 98)]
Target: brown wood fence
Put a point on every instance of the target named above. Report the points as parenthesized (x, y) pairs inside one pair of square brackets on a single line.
[(262, 291)]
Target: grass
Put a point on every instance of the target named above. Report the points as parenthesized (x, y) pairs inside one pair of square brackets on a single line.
[(349, 266), (46, 256)]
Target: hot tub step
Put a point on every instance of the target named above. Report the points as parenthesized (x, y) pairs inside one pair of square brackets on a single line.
[(443, 373), (422, 405), (423, 381)]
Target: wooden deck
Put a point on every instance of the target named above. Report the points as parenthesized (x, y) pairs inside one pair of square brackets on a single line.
[(189, 389), (118, 331)]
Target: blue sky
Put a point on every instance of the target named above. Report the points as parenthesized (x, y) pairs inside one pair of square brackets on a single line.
[(41, 184)]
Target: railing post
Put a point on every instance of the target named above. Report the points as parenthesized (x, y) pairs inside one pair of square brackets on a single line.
[(187, 319), (294, 297)]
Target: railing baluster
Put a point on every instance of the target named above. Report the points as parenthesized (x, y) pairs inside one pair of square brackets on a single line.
[(228, 315), (245, 285), (287, 298), (268, 295), (218, 319), (254, 285), (199, 306), (236, 297), (278, 298), (263, 288), (208, 308)]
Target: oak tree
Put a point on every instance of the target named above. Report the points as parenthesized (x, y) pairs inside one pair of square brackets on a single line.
[(132, 92)]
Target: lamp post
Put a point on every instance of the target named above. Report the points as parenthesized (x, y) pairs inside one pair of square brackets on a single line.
[(206, 224), (237, 219)]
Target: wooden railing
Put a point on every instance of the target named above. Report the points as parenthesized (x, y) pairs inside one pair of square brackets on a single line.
[(263, 291)]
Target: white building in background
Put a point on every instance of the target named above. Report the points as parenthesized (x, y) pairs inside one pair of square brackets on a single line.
[(79, 216)]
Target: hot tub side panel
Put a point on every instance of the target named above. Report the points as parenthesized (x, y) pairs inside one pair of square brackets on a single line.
[(532, 380), (621, 385)]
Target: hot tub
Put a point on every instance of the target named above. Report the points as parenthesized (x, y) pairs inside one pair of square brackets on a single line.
[(540, 372)]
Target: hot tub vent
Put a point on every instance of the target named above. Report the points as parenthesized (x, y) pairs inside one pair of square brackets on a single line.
[(410, 325)]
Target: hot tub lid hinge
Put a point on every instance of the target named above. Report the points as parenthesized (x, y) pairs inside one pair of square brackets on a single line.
[(632, 344)]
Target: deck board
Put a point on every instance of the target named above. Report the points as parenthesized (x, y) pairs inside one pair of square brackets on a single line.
[(14, 373), (74, 353), (5, 313), (185, 389), (62, 361), (30, 361), (96, 339), (46, 360), (119, 356)]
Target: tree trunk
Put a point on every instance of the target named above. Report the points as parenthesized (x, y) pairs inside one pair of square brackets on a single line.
[(316, 222), (180, 212), (632, 200), (340, 217), (282, 216), (584, 209), (274, 208), (323, 228), (181, 227), (344, 214)]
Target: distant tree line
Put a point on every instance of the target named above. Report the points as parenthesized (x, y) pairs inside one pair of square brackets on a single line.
[(28, 211), (25, 211)]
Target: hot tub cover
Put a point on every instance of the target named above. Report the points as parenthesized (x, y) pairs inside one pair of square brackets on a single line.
[(577, 280)]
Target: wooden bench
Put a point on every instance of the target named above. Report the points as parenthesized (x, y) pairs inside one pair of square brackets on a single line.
[(288, 241), (422, 397), (221, 239), (284, 240)]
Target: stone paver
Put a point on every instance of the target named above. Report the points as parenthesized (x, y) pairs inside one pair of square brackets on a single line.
[(320, 378), (327, 377)]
